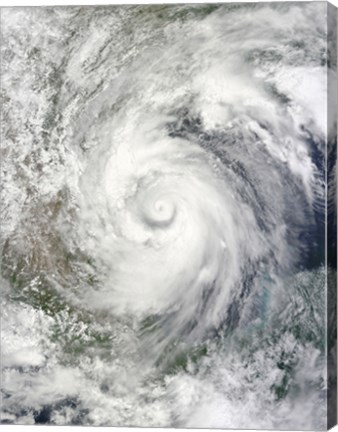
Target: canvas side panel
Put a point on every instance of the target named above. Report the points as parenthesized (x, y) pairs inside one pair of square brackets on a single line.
[(332, 217)]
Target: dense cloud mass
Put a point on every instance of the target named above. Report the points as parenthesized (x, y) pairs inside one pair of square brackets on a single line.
[(164, 193)]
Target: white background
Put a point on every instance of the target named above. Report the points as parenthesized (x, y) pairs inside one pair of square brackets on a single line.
[(3, 3)]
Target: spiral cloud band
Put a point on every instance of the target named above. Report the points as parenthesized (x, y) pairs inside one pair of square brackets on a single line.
[(165, 190)]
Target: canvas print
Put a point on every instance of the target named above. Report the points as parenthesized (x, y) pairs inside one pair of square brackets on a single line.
[(168, 215)]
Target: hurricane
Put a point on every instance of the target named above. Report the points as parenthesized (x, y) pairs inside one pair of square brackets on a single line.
[(163, 220)]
